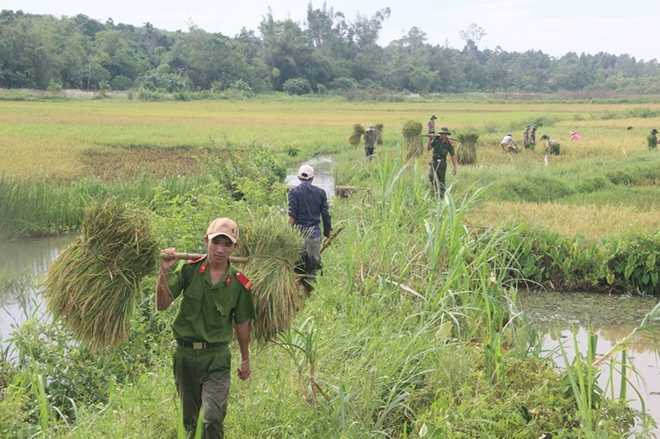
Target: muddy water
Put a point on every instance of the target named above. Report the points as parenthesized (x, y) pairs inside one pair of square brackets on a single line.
[(566, 317), (323, 177), (26, 259)]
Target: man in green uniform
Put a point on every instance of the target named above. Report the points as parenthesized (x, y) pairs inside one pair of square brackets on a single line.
[(532, 136), (441, 146), (214, 296), (552, 145), (653, 139), (527, 137), (370, 139)]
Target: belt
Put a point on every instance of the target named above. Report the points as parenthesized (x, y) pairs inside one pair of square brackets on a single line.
[(199, 344)]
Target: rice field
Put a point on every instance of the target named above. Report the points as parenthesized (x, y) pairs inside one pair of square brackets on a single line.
[(112, 140), (438, 334), (62, 140)]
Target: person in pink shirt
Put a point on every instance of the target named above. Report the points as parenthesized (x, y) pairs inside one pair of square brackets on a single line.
[(575, 136)]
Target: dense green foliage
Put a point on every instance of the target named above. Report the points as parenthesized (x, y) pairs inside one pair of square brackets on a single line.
[(625, 264), (426, 344), (328, 53)]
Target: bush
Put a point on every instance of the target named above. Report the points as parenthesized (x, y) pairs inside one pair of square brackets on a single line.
[(343, 83), (121, 82), (54, 86), (642, 112), (634, 264), (297, 86), (593, 184), (535, 189), (291, 151), (184, 95)]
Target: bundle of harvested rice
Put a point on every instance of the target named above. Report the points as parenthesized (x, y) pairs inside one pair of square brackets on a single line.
[(356, 137), (379, 129), (92, 284), (467, 150), (411, 133), (273, 249)]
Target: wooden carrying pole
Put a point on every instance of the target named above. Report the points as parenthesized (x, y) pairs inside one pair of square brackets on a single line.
[(438, 135), (192, 256)]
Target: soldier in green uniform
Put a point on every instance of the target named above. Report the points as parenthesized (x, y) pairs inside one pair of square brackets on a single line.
[(552, 145), (532, 136), (441, 146), (652, 139), (214, 297), (527, 137), (370, 139)]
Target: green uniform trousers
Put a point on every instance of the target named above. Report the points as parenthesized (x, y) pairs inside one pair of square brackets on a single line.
[(438, 169), (202, 378)]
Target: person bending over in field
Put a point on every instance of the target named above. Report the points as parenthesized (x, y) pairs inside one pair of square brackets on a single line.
[(552, 146), (575, 136), (506, 144)]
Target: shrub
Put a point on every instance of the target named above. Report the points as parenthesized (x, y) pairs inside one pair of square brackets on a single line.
[(642, 112), (297, 86), (343, 83), (54, 86), (593, 184), (634, 264), (291, 151), (121, 82)]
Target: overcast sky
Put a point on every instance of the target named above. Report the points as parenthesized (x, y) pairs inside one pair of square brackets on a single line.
[(552, 26)]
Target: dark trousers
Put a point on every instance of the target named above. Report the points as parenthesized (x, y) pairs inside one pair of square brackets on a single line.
[(310, 262), (437, 170), (369, 151), (202, 378)]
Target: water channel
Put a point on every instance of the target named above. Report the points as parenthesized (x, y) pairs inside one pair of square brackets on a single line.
[(560, 316)]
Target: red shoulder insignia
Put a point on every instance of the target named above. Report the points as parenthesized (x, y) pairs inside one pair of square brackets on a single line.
[(228, 280), (194, 261), (244, 281), (202, 268)]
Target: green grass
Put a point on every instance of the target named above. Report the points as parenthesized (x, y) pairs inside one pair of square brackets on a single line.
[(400, 335)]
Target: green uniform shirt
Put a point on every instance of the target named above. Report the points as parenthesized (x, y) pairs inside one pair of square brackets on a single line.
[(653, 141), (207, 313), (554, 146), (441, 149)]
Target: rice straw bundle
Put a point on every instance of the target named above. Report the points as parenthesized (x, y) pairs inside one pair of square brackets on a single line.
[(92, 284), (467, 150), (356, 137), (411, 133), (379, 129), (273, 249)]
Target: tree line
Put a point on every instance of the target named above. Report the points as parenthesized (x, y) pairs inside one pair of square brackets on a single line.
[(327, 54)]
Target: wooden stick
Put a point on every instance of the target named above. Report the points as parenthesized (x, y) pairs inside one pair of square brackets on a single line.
[(329, 239), (438, 135), (191, 256)]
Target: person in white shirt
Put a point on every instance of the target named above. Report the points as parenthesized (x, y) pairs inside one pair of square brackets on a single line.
[(506, 144)]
